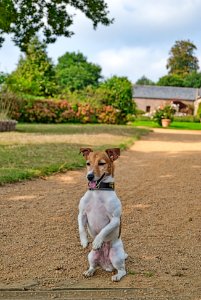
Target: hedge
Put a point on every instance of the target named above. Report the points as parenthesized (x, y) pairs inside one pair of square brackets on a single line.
[(52, 111)]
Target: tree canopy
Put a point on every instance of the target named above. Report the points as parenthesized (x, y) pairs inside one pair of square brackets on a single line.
[(118, 93), (35, 73), (193, 80), (3, 77), (74, 72), (182, 60), (24, 19), (144, 81), (171, 80)]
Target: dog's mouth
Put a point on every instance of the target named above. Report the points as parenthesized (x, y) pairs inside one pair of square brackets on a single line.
[(92, 184)]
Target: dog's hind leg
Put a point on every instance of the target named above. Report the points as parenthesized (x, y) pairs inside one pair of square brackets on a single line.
[(117, 257), (92, 258)]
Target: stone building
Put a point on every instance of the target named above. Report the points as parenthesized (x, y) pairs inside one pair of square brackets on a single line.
[(149, 97)]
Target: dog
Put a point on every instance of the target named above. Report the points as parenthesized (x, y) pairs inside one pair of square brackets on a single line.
[(100, 212)]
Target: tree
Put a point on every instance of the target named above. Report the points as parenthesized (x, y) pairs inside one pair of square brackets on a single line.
[(35, 73), (171, 80), (182, 60), (24, 19), (118, 93), (3, 77), (144, 81), (74, 72), (193, 80)]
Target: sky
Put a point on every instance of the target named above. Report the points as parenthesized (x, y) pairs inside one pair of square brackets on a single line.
[(136, 44)]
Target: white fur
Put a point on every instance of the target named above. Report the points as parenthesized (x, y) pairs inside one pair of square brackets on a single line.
[(99, 212)]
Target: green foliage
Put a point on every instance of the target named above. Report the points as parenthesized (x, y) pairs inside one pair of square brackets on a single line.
[(171, 80), (182, 60), (35, 72), (74, 72), (117, 92), (190, 119), (109, 115), (3, 77), (193, 80), (166, 112), (144, 81), (24, 19), (199, 111), (50, 111), (8, 101)]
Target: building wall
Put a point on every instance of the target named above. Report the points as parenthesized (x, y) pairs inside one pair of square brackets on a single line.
[(143, 104), (197, 103)]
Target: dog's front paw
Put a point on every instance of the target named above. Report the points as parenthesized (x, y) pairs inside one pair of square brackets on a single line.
[(97, 243), (84, 243), (89, 272), (119, 275)]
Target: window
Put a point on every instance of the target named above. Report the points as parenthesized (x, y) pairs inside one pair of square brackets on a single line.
[(148, 109)]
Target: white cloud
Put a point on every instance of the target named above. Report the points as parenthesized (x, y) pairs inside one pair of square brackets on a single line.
[(132, 62), (9, 55), (136, 44)]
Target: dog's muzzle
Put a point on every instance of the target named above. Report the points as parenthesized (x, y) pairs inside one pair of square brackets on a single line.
[(90, 176)]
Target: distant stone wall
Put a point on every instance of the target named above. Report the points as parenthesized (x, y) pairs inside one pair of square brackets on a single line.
[(7, 125), (143, 104)]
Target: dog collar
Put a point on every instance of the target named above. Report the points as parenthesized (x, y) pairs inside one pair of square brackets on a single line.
[(94, 185)]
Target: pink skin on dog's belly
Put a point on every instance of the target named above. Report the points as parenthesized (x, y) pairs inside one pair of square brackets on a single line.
[(101, 256), (97, 219)]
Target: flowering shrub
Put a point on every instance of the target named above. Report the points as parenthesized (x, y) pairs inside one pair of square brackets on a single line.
[(109, 115), (86, 114), (51, 111), (164, 112)]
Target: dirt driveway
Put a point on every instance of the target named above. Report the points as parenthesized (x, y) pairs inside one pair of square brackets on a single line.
[(158, 181)]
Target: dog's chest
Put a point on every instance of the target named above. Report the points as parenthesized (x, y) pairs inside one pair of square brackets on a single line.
[(96, 206), (98, 212)]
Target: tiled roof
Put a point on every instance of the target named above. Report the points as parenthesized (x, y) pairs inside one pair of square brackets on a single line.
[(165, 92)]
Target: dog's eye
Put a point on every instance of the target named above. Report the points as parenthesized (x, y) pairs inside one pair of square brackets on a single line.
[(101, 163), (88, 163)]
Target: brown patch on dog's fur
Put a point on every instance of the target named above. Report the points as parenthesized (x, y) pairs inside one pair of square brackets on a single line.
[(94, 158)]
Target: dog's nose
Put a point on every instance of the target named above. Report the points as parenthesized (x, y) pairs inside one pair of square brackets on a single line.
[(90, 176)]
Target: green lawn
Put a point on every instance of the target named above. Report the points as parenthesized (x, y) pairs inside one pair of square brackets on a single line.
[(174, 125), (36, 150)]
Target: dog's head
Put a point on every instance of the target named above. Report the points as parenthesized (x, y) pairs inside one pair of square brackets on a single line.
[(99, 162)]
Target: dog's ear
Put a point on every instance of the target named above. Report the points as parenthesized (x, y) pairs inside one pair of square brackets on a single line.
[(85, 152), (113, 153)]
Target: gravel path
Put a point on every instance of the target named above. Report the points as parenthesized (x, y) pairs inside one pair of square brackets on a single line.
[(158, 181)]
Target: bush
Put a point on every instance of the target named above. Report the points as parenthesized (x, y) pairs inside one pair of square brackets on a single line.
[(199, 111), (8, 104), (35, 72), (51, 111), (117, 92), (46, 111), (110, 115), (86, 114), (190, 119)]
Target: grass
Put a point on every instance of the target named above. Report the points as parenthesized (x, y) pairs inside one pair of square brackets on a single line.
[(174, 125), (37, 150), (147, 274)]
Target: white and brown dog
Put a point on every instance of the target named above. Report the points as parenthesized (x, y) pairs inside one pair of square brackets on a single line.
[(100, 212)]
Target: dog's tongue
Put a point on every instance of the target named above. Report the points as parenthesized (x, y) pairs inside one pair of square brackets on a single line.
[(92, 184)]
